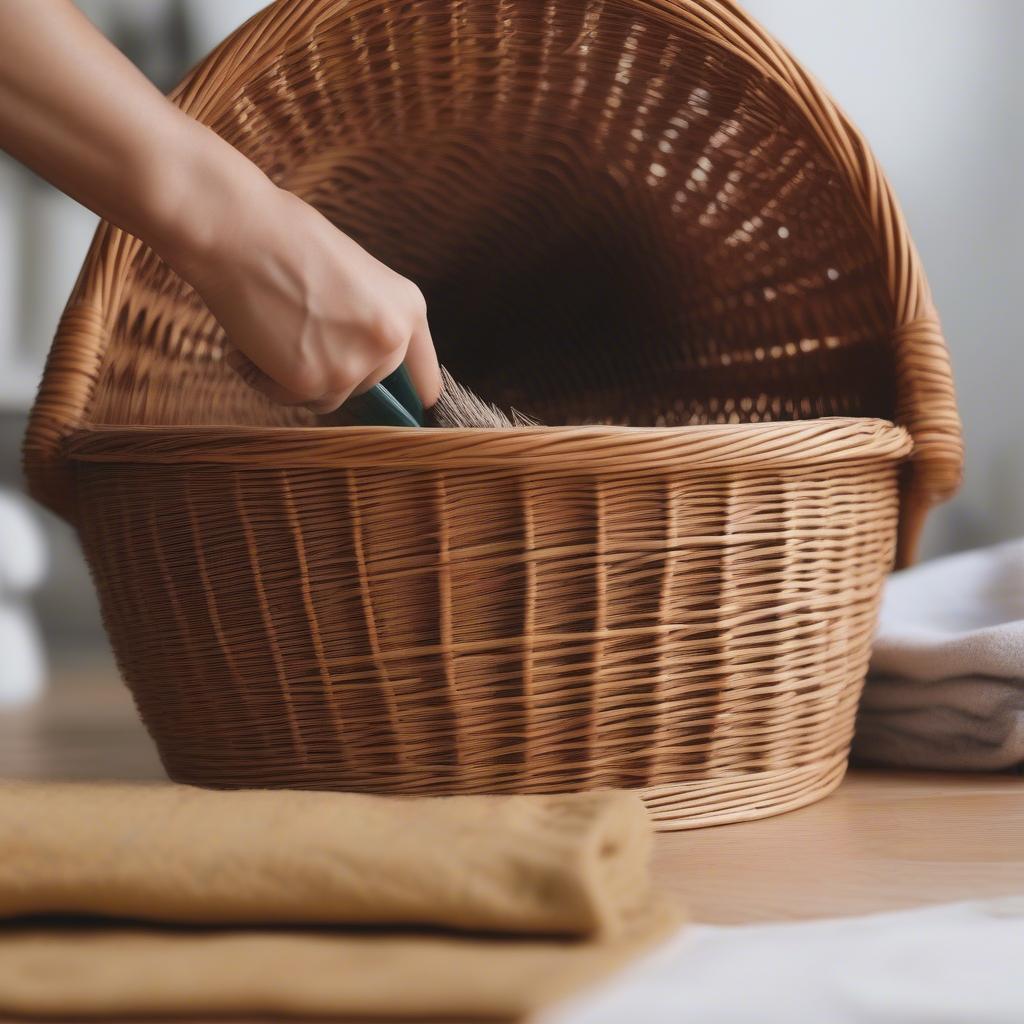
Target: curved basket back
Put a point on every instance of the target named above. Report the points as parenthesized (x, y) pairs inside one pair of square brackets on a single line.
[(648, 207)]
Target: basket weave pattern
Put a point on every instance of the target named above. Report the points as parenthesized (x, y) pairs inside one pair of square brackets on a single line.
[(635, 214), (532, 627)]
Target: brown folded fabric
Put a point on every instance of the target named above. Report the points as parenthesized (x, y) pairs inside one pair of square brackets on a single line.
[(126, 973), (570, 868), (560, 865)]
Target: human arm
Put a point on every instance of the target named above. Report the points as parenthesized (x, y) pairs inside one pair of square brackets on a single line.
[(311, 315)]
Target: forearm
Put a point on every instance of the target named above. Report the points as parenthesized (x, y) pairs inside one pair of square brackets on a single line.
[(314, 316), (85, 118)]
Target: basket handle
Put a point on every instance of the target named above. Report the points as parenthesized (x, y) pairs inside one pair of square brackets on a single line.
[(925, 397), (926, 406), (72, 370)]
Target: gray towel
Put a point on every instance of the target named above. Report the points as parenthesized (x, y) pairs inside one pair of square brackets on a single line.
[(946, 684)]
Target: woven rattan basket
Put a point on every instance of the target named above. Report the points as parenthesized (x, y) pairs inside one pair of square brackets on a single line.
[(642, 215)]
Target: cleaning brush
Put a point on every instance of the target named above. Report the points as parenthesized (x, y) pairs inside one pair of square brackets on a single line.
[(457, 406), (394, 403)]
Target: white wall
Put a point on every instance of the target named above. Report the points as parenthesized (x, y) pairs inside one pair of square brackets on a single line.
[(937, 87)]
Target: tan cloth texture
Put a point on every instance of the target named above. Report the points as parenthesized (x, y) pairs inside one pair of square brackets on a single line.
[(120, 973), (567, 865), (572, 869)]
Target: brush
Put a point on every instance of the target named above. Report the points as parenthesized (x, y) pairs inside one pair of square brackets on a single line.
[(394, 403)]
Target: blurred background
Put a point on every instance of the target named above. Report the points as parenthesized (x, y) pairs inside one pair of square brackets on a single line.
[(936, 86)]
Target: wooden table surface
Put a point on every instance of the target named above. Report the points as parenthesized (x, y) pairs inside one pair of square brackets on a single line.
[(883, 841)]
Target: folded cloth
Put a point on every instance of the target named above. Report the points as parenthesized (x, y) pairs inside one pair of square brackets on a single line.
[(22, 546), (22, 666), (570, 868), (946, 684), (22, 567), (122, 973)]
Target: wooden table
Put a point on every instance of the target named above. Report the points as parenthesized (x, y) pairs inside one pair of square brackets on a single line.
[(884, 841)]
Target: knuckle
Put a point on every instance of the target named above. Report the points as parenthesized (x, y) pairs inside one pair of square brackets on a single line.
[(340, 381), (303, 379), (340, 374), (392, 332), (417, 302)]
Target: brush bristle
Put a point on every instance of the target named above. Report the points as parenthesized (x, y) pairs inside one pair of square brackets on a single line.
[(459, 407)]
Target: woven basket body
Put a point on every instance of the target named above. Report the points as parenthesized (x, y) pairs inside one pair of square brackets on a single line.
[(639, 215)]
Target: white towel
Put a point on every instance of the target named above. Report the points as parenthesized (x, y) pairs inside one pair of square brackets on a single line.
[(954, 964), (22, 669), (22, 567), (946, 684), (22, 547)]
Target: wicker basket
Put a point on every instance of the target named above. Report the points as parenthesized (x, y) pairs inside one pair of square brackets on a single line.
[(643, 215)]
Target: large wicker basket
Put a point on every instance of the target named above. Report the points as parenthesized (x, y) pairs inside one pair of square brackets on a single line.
[(640, 214)]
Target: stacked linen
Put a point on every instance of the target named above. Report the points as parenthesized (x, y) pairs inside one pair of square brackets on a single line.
[(946, 684), (22, 565), (180, 902)]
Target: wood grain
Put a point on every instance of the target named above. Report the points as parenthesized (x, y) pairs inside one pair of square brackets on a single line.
[(883, 841)]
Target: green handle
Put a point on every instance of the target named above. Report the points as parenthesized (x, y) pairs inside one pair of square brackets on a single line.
[(391, 403), (401, 386)]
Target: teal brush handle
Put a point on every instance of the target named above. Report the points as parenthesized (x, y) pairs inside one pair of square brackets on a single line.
[(401, 387), (391, 403)]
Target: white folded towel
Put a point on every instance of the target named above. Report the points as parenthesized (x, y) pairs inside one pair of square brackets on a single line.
[(22, 567), (22, 547), (946, 684), (22, 669), (953, 964)]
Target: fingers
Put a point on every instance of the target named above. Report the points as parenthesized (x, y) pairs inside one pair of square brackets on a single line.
[(352, 363), (421, 361), (385, 369), (265, 385), (417, 352)]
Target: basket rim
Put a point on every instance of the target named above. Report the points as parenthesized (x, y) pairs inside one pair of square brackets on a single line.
[(580, 449)]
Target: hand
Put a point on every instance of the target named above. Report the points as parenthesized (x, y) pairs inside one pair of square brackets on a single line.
[(312, 317)]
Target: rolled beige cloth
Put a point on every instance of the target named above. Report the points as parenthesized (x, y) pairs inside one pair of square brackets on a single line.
[(554, 865), (200, 869)]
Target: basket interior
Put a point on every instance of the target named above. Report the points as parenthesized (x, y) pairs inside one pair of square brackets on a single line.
[(612, 221)]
